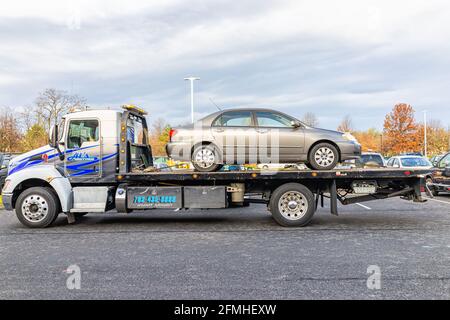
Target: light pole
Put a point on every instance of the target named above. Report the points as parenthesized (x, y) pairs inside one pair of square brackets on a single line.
[(425, 133), (192, 79)]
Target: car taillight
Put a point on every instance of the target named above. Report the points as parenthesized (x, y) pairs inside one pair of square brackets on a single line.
[(172, 132)]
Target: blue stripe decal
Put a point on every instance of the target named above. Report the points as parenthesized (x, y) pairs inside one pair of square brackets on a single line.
[(25, 163)]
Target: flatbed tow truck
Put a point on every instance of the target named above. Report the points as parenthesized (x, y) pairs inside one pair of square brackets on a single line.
[(99, 160)]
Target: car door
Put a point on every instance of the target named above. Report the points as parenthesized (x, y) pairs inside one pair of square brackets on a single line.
[(284, 140), (234, 133), (83, 149)]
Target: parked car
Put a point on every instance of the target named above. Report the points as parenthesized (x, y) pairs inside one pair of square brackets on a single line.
[(247, 136), (281, 166), (371, 159), (3, 171), (409, 162)]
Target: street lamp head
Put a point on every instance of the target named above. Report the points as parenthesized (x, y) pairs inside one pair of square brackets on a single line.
[(192, 78)]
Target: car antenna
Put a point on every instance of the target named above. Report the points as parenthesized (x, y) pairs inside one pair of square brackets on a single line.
[(212, 101)]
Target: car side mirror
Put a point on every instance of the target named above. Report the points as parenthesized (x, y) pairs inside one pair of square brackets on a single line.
[(296, 124), (447, 171)]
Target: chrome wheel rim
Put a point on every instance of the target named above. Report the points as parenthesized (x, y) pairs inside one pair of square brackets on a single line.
[(293, 205), (34, 208), (324, 156), (205, 158)]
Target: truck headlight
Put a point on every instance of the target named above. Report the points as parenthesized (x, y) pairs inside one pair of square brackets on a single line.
[(348, 136)]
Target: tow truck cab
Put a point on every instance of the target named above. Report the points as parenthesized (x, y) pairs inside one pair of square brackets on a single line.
[(83, 152)]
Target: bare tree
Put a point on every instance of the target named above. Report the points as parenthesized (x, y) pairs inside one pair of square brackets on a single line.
[(346, 124), (52, 104), (310, 119)]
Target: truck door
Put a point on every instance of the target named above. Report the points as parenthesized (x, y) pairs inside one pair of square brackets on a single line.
[(83, 149)]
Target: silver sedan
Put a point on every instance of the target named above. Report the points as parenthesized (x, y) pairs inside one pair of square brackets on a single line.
[(242, 136)]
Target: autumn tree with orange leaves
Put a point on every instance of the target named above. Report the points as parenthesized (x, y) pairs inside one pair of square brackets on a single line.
[(401, 132)]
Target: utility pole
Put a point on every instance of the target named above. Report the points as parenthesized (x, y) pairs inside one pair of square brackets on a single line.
[(191, 80), (425, 133), (381, 143)]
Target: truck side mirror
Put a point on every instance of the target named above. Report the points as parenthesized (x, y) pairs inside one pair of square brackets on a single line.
[(53, 136), (53, 140)]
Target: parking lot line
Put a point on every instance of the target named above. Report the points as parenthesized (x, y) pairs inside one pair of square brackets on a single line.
[(365, 207), (441, 201)]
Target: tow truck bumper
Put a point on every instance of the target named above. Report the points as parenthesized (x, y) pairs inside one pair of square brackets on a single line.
[(7, 201)]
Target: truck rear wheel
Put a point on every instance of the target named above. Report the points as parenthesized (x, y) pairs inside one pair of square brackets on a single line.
[(292, 205), (37, 207)]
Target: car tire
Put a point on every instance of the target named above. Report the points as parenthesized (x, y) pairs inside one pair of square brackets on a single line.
[(434, 192), (37, 207), (205, 158), (292, 205), (323, 156)]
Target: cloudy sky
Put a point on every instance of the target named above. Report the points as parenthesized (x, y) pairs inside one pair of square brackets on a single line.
[(328, 57)]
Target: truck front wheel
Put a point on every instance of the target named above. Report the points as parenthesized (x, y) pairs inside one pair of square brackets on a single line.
[(37, 207), (292, 205)]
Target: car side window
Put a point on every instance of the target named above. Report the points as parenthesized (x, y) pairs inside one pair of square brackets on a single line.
[(396, 162), (272, 119), (445, 162), (81, 131), (234, 119)]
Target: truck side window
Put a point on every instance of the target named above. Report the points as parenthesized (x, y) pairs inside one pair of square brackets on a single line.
[(81, 131)]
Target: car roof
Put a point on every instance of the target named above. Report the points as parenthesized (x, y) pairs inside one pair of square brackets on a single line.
[(402, 157), (212, 116)]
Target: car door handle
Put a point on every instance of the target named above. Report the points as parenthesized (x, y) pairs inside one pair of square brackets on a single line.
[(262, 130), (219, 130)]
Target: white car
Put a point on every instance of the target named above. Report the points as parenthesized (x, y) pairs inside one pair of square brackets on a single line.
[(281, 166), (409, 162)]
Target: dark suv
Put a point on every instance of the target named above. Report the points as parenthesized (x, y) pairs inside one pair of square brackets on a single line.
[(4, 160)]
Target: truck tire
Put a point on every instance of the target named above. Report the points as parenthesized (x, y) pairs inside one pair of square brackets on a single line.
[(292, 205), (37, 207), (323, 156), (205, 158)]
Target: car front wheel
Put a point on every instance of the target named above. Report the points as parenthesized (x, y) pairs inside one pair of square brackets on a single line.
[(323, 156), (205, 158)]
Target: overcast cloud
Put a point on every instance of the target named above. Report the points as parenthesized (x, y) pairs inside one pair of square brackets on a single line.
[(328, 57)]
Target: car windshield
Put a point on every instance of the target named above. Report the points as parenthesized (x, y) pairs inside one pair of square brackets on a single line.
[(366, 158), (415, 162)]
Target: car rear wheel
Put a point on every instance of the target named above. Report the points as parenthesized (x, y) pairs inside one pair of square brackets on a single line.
[(429, 182), (323, 156), (205, 158)]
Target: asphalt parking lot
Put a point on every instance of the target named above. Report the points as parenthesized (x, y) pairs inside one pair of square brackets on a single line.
[(233, 254)]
